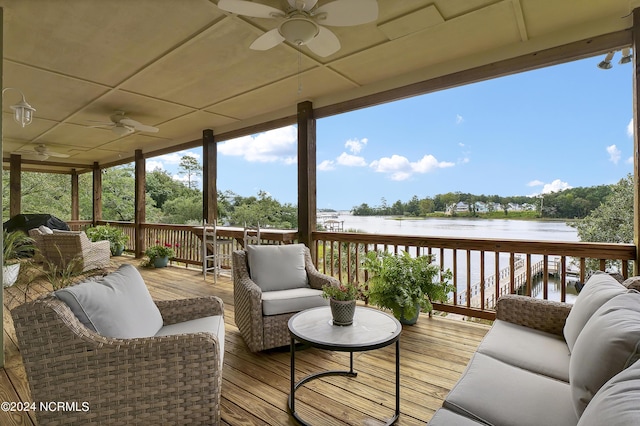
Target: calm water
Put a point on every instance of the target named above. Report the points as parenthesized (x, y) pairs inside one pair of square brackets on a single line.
[(473, 228)]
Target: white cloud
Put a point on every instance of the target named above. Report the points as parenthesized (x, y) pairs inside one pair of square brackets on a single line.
[(535, 183), (459, 119), (555, 186), (279, 145), (614, 154), (151, 165), (630, 160), (630, 128), (399, 167), (326, 165), (175, 157), (349, 160), (356, 145)]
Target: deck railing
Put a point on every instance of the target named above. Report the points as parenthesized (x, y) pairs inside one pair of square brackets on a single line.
[(475, 264), (483, 269)]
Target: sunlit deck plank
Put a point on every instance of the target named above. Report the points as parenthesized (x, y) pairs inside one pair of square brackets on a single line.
[(256, 386)]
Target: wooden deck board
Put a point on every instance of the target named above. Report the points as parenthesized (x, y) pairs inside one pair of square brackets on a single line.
[(255, 387)]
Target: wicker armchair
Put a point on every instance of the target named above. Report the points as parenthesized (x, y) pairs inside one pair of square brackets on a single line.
[(62, 247), (261, 332), (172, 379)]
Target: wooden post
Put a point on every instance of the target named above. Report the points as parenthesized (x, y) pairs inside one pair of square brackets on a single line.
[(636, 136), (306, 173), (97, 193), (1, 191), (75, 201), (15, 185), (209, 176), (140, 202)]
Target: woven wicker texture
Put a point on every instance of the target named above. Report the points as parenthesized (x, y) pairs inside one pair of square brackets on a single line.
[(62, 248), (151, 381), (543, 315), (264, 332)]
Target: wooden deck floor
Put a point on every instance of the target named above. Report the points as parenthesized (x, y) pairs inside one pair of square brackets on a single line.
[(256, 386)]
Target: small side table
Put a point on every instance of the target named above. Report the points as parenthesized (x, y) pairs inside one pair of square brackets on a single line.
[(371, 329)]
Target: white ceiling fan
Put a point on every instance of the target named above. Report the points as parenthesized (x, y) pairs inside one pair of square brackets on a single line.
[(40, 152), (122, 125), (301, 21)]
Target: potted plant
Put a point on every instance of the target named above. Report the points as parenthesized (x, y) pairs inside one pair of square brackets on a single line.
[(342, 300), (17, 245), (116, 237), (159, 254), (406, 285)]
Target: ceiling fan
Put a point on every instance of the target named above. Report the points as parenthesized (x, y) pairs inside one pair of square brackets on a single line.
[(40, 152), (301, 21), (122, 125)]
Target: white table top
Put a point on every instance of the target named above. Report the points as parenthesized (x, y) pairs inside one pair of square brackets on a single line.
[(371, 329)]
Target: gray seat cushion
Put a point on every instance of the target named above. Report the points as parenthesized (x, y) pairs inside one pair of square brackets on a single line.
[(608, 344), (598, 289), (294, 300), (524, 347), (118, 305), (275, 268), (617, 402), (496, 393), (444, 417), (213, 324)]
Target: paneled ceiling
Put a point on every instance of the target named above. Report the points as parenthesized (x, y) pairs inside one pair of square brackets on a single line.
[(185, 65)]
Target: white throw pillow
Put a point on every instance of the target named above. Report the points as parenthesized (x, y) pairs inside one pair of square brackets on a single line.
[(608, 344), (118, 305), (45, 230), (279, 267), (598, 289)]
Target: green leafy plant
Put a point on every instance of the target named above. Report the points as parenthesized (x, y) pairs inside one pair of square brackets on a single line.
[(116, 237), (17, 245), (405, 284), (165, 250), (342, 292), (62, 275)]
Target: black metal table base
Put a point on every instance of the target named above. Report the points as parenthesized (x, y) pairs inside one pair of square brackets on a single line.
[(348, 373)]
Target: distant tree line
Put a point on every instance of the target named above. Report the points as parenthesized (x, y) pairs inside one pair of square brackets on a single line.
[(568, 204)]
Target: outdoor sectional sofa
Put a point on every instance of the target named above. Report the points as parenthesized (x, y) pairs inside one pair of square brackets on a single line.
[(551, 363)]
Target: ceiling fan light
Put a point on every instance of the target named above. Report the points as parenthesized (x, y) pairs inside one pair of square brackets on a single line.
[(122, 130), (40, 156), (298, 30)]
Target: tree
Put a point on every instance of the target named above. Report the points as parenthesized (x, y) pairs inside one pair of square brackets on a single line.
[(612, 220), (190, 167)]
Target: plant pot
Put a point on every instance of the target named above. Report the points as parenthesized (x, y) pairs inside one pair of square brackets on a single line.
[(119, 249), (342, 311), (160, 262), (10, 274), (410, 321)]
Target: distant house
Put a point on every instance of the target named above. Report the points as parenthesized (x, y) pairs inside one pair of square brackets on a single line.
[(481, 207)]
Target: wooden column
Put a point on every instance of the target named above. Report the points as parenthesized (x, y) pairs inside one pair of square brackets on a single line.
[(1, 191), (140, 202), (75, 201), (636, 136), (209, 176), (306, 173), (15, 185), (97, 193)]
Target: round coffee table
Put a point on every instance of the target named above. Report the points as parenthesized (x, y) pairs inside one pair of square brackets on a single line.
[(371, 329)]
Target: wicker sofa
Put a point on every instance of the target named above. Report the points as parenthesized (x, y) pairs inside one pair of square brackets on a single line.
[(121, 357), (62, 247), (551, 363), (263, 309)]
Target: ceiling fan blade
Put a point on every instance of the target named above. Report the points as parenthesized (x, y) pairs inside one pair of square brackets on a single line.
[(307, 4), (138, 126), (247, 8), (345, 13), (325, 43), (56, 154), (267, 40)]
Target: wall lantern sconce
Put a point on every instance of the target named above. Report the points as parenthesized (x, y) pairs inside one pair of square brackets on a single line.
[(22, 111)]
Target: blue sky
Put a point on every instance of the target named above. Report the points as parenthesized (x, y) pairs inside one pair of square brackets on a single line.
[(530, 133)]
